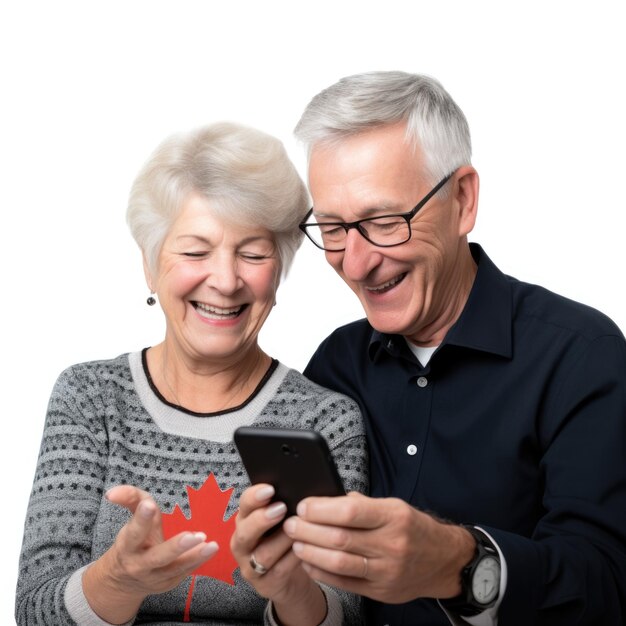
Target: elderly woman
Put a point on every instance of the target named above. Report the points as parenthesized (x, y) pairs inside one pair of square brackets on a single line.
[(137, 487)]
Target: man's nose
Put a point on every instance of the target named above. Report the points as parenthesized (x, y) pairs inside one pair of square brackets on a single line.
[(359, 257)]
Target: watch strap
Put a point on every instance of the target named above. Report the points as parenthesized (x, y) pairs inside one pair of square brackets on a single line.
[(465, 603)]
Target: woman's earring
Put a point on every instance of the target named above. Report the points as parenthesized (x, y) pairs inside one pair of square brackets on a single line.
[(151, 300)]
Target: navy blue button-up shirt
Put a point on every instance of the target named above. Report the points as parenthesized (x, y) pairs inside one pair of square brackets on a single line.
[(517, 424)]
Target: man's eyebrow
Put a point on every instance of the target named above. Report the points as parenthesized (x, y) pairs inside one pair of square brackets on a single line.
[(371, 211)]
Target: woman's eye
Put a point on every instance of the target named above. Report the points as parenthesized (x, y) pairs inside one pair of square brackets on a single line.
[(251, 256), (194, 254)]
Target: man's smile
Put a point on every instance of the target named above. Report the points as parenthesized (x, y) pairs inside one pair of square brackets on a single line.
[(386, 286)]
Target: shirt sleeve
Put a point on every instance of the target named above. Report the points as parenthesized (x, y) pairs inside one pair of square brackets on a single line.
[(488, 617), (572, 569)]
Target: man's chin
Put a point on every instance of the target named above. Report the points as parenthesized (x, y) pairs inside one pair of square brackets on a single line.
[(385, 324)]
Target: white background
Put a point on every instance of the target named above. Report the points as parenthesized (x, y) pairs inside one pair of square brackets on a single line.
[(89, 88)]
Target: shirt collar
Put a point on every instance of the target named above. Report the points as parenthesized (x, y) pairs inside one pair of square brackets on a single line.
[(485, 323)]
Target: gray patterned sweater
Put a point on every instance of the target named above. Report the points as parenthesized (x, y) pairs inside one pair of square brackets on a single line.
[(107, 425)]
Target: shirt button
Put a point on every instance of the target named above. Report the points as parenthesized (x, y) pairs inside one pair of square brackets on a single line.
[(422, 381), (412, 450)]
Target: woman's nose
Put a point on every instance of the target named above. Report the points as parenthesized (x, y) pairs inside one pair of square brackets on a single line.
[(223, 274)]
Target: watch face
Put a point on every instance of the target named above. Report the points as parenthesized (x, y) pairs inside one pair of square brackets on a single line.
[(486, 580)]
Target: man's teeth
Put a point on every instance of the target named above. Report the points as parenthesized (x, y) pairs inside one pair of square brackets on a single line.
[(217, 313), (388, 285)]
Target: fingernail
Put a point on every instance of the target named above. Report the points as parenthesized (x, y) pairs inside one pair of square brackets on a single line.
[(276, 510), (297, 547), (290, 526), (191, 539), (209, 549), (265, 493), (146, 509), (301, 509)]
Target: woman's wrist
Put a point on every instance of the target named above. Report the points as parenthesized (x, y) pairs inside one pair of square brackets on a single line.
[(306, 607), (107, 597)]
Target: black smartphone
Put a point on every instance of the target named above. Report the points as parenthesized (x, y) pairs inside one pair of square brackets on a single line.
[(297, 463)]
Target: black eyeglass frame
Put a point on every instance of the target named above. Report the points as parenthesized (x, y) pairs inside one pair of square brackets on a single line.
[(357, 224)]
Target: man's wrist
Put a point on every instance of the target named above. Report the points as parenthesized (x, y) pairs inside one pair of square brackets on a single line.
[(479, 578)]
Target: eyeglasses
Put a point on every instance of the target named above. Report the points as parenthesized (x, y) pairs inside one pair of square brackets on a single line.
[(384, 231)]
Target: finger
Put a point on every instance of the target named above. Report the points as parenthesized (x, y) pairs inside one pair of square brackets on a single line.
[(358, 586), (255, 497), (282, 565), (354, 510), (335, 562), (173, 572), (169, 562), (251, 529), (143, 528), (180, 553), (127, 496), (267, 548), (345, 539), (279, 562)]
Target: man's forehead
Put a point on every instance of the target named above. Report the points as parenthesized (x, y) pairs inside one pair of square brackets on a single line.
[(372, 164), (396, 132)]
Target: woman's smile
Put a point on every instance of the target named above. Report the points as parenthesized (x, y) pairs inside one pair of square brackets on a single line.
[(214, 313)]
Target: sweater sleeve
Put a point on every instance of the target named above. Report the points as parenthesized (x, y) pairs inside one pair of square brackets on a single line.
[(78, 606), (64, 501), (334, 613)]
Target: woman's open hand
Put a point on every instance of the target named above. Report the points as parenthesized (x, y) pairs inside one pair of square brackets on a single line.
[(140, 562)]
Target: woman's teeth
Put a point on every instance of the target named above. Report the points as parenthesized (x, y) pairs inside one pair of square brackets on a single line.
[(217, 313)]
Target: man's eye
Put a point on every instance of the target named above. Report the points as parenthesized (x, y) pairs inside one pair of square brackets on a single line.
[(385, 225), (331, 229)]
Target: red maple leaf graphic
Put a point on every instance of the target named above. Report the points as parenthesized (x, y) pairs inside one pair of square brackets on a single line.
[(207, 505)]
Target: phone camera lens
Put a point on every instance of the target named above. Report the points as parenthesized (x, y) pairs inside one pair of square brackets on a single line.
[(286, 449)]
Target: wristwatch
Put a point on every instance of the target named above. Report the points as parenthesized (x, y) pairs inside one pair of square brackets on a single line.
[(480, 578)]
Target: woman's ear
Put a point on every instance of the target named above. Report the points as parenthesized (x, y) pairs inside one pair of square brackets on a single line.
[(466, 198), (147, 272)]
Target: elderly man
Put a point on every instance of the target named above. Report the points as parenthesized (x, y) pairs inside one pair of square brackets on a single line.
[(496, 410)]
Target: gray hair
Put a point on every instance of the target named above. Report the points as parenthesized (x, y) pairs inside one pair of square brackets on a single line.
[(244, 173), (434, 122)]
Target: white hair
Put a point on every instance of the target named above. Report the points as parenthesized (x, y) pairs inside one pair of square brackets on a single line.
[(245, 174), (434, 122)]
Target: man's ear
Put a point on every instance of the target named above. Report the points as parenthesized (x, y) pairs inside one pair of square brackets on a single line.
[(465, 192)]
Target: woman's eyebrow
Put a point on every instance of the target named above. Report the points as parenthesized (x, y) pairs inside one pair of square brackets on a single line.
[(193, 237), (244, 241)]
